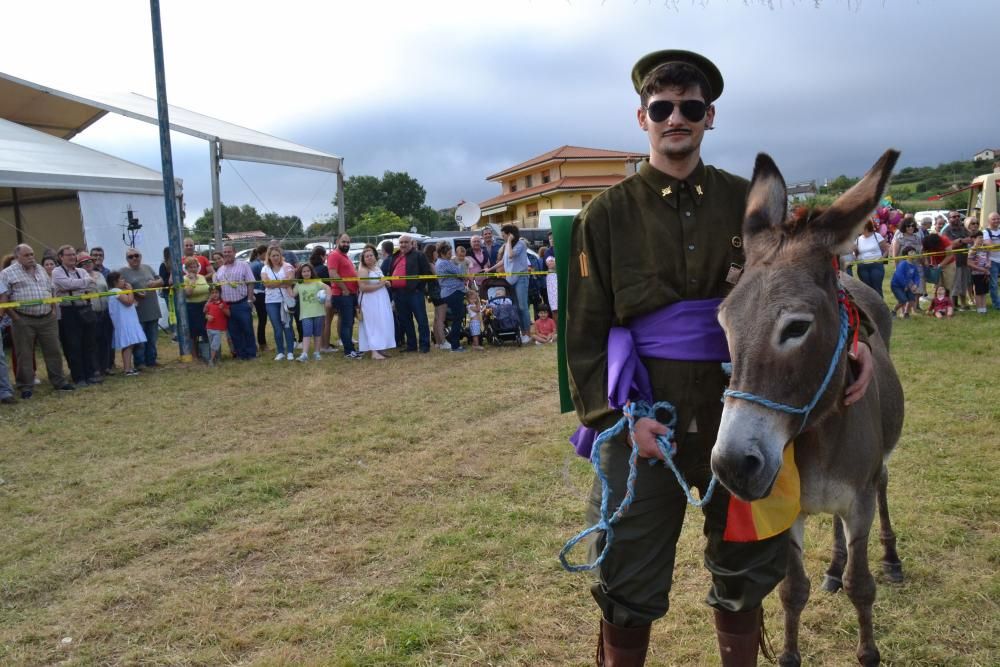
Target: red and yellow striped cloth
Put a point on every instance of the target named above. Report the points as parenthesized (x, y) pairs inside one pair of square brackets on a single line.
[(764, 518)]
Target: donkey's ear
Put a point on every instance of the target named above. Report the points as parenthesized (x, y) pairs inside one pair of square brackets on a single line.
[(767, 201), (841, 222)]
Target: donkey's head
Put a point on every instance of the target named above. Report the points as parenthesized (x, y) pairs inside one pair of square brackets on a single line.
[(783, 322)]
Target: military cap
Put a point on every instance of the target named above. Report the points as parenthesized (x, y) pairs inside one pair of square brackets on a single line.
[(651, 61)]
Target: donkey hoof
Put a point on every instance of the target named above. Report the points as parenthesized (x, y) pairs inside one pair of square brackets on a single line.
[(869, 658), (832, 584), (789, 660), (893, 572)]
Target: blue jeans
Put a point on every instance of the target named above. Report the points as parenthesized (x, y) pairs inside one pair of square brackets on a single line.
[(410, 304), (456, 311), (994, 274), (345, 309), (144, 354), (241, 330), (521, 290), (872, 275), (284, 339)]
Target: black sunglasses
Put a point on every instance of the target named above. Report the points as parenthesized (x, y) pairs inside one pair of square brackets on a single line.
[(660, 110), (131, 256)]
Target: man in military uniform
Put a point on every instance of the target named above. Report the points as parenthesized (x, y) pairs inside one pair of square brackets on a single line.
[(668, 235)]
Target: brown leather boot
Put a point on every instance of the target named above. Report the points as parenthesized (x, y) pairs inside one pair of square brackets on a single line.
[(622, 647), (739, 634)]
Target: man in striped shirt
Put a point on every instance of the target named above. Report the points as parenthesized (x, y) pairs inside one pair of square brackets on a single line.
[(25, 281), (236, 279)]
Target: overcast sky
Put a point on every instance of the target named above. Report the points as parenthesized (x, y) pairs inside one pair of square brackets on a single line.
[(451, 92)]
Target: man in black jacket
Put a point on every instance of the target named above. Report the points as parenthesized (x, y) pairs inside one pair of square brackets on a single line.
[(408, 295)]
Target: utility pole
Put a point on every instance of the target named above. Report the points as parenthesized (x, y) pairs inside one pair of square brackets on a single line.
[(169, 196)]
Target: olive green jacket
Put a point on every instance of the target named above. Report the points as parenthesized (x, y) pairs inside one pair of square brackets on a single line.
[(643, 244)]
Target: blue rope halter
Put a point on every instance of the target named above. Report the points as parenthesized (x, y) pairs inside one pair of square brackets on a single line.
[(633, 411), (805, 409)]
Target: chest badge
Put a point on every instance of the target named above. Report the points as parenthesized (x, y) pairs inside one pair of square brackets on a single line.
[(698, 189), (667, 191), (737, 242)]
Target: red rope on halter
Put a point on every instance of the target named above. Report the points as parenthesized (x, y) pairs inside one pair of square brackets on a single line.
[(853, 318)]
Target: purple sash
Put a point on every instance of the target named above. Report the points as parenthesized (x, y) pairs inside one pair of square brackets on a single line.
[(682, 331)]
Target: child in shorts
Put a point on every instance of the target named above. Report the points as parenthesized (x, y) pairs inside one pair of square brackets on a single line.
[(216, 323)]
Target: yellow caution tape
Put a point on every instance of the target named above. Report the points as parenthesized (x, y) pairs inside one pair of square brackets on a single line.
[(280, 283)]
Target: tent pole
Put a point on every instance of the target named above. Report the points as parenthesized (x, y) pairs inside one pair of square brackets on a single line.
[(340, 201), (17, 216), (213, 150), (169, 194)]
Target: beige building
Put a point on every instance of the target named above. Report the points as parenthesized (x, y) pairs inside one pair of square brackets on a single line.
[(567, 177)]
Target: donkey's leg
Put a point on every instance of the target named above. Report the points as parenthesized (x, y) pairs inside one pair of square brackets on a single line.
[(892, 567), (794, 593), (833, 581), (859, 584)]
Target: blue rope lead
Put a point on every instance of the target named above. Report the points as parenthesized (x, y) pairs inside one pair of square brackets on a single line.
[(632, 412)]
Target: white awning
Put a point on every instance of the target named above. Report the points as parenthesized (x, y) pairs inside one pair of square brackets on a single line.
[(494, 210), (65, 114), (35, 160)]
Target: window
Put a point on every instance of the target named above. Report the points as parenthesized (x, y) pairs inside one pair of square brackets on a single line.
[(512, 186), (584, 200), (532, 210), (528, 180), (546, 176)]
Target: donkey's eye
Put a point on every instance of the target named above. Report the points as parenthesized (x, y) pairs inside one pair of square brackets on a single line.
[(795, 329)]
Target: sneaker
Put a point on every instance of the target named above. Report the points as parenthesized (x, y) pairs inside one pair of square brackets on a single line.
[(525, 339), (538, 342), (38, 380), (25, 395), (458, 349), (290, 356), (132, 373), (445, 346), (317, 356), (353, 355), (328, 349), (66, 387), (279, 357), (302, 357)]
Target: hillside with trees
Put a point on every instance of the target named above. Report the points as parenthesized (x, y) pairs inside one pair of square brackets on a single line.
[(911, 187)]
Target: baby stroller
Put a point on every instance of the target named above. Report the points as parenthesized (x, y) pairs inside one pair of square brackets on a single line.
[(501, 317)]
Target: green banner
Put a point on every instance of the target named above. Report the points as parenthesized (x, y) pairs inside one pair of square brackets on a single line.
[(562, 236)]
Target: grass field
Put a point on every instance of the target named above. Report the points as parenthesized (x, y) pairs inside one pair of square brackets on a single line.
[(410, 513)]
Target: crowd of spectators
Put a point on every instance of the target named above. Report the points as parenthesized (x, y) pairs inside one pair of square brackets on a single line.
[(374, 308), (942, 265)]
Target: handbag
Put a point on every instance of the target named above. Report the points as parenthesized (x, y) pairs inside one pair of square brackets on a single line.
[(932, 274)]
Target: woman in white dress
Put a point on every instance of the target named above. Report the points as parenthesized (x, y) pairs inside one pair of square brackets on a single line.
[(377, 331)]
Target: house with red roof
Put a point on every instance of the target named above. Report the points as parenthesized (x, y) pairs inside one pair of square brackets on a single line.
[(567, 177)]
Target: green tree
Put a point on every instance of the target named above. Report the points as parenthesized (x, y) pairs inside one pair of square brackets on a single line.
[(378, 221), (247, 219), (397, 192), (361, 194)]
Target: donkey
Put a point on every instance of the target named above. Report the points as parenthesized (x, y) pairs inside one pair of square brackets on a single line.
[(786, 338)]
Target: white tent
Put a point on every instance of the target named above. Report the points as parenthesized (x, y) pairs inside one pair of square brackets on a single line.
[(65, 114), (54, 192)]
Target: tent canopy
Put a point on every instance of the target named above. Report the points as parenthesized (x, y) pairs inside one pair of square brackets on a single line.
[(30, 159), (64, 114)]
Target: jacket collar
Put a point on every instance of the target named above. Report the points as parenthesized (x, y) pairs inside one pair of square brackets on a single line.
[(670, 188)]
